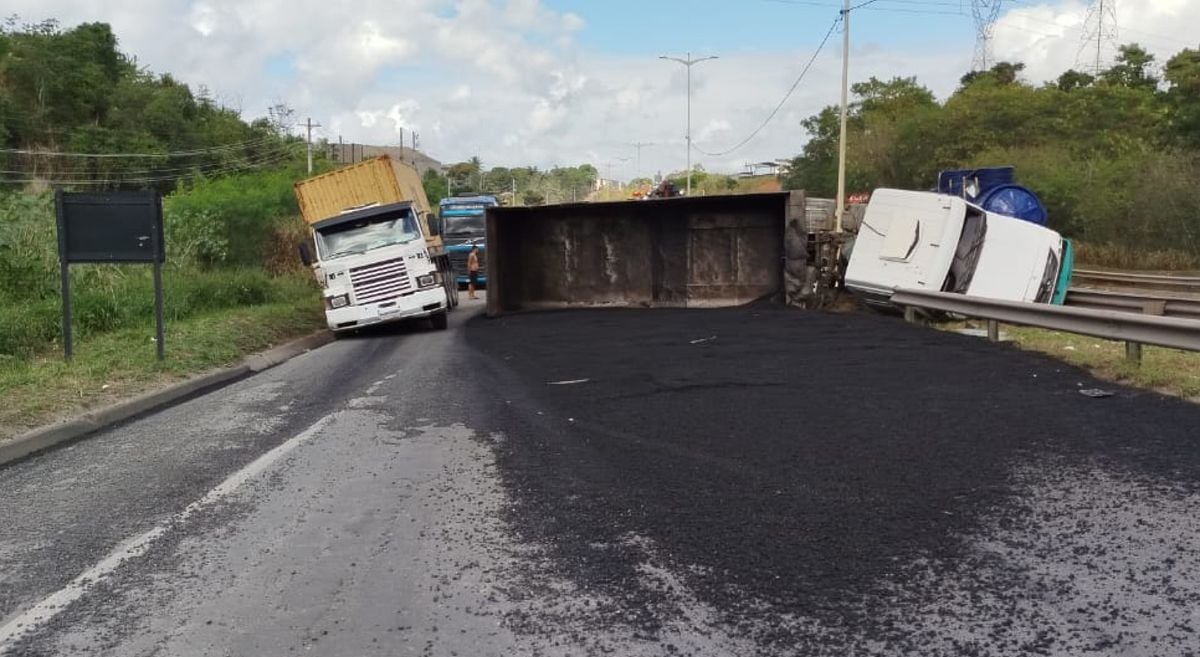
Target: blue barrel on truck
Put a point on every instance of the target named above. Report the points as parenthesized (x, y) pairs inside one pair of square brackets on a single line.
[(994, 189), (463, 226)]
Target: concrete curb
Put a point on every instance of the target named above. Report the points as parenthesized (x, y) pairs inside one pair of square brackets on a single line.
[(56, 434)]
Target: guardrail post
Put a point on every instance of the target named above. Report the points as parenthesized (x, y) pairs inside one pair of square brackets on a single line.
[(993, 328), (910, 314), (1133, 352)]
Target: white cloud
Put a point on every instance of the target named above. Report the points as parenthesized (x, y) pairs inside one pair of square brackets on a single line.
[(1048, 37), (507, 80)]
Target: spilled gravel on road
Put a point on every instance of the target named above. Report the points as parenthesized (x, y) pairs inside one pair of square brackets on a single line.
[(818, 484), (1094, 560)]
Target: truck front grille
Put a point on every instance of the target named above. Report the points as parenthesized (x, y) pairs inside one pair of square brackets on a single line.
[(380, 281)]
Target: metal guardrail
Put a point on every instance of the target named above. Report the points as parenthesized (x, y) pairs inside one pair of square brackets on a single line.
[(1135, 302), (1132, 328), (1092, 277)]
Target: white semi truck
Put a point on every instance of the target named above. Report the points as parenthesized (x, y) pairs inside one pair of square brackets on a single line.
[(379, 255)]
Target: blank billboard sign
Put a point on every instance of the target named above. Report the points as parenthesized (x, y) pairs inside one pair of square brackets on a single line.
[(110, 227)]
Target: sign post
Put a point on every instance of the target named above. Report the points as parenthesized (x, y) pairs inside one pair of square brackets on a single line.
[(114, 228)]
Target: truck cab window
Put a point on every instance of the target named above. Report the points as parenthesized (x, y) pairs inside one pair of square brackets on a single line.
[(966, 254), (365, 234)]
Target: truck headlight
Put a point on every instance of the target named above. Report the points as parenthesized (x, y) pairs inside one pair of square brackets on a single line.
[(340, 301), (427, 280)]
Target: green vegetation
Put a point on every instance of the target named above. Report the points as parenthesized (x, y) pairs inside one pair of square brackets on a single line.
[(1166, 370), (70, 92), (232, 281), (121, 363), (533, 186), (1114, 157), (232, 286), (221, 235)]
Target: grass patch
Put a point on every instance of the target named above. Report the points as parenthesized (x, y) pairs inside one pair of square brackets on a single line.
[(1113, 256), (118, 364), (1165, 370)]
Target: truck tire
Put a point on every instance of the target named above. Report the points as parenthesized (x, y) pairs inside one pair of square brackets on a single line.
[(440, 321)]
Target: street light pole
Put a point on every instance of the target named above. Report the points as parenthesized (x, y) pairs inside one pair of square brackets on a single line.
[(639, 145), (841, 173), (689, 63)]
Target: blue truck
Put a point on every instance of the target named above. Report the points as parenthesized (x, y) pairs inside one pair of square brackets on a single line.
[(463, 226)]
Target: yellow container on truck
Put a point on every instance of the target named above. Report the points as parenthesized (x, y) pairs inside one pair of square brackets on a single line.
[(378, 181)]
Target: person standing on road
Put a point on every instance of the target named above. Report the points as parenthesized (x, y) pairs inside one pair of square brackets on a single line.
[(472, 271)]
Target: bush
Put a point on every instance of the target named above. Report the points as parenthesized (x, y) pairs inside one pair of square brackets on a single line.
[(224, 238), (235, 215), (28, 329), (28, 247), (195, 236)]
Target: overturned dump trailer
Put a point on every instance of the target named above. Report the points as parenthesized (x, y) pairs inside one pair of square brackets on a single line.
[(697, 252)]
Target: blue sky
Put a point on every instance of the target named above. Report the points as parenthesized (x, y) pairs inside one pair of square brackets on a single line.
[(645, 28)]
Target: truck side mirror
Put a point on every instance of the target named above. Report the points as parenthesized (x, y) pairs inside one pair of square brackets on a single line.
[(305, 256)]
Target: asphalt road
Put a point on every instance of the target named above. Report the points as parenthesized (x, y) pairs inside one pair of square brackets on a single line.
[(748, 481)]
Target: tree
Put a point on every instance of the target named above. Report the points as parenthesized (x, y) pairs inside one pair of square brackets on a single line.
[(1002, 73), (1182, 72), (1132, 68), (1072, 79), (75, 91), (532, 197), (465, 177), (435, 186)]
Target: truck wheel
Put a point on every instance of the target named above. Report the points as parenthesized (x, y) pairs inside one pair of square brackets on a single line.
[(440, 321)]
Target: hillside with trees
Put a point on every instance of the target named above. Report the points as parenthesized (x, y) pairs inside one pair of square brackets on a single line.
[(1114, 156), (75, 110)]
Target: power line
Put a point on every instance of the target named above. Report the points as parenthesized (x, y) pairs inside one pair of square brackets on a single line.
[(786, 96), (265, 161), (82, 168), (189, 153)]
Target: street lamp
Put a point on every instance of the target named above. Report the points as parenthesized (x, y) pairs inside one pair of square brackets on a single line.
[(689, 63)]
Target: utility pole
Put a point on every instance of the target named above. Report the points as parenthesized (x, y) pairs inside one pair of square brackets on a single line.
[(310, 126), (689, 62), (514, 190), (841, 179), (985, 13), (621, 171), (639, 145), (401, 143), (1099, 29)]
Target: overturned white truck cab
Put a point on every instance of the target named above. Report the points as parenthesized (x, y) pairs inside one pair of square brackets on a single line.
[(939, 242)]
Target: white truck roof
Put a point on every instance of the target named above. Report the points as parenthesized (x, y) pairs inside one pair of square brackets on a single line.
[(901, 239)]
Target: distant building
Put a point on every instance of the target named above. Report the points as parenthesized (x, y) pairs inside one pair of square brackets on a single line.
[(772, 168), (351, 153)]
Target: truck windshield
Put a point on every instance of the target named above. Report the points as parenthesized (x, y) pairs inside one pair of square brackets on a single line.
[(464, 224), (1049, 279), (966, 253), (365, 234)]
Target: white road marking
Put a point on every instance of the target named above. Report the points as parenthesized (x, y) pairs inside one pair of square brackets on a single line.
[(41, 613)]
